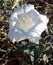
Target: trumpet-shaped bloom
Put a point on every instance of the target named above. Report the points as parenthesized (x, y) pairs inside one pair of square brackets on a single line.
[(26, 23)]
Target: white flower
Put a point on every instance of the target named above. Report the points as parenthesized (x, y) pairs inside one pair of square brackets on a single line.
[(26, 23)]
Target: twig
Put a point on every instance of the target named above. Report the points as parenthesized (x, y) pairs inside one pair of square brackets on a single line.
[(2, 50), (46, 3), (49, 4)]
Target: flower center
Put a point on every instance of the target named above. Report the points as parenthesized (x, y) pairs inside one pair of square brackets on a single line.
[(25, 22)]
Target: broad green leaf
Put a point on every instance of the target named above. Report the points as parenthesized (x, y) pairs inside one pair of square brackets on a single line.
[(37, 53), (48, 52), (41, 46)]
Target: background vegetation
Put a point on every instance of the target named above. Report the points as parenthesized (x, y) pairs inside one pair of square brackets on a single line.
[(25, 52)]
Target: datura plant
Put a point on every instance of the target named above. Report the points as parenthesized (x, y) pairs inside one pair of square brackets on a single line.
[(26, 23), (33, 32)]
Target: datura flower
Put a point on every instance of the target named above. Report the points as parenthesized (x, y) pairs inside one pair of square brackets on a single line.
[(26, 23)]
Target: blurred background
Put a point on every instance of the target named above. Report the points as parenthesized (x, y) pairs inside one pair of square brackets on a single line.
[(25, 52)]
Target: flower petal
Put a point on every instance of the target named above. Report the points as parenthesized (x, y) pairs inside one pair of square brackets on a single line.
[(40, 28), (28, 7), (34, 37), (15, 35), (44, 19), (14, 18)]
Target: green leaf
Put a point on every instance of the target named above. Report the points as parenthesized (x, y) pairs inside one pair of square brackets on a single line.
[(48, 51), (37, 53), (41, 46), (47, 38)]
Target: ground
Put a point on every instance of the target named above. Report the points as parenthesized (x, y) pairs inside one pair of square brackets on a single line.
[(9, 52)]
